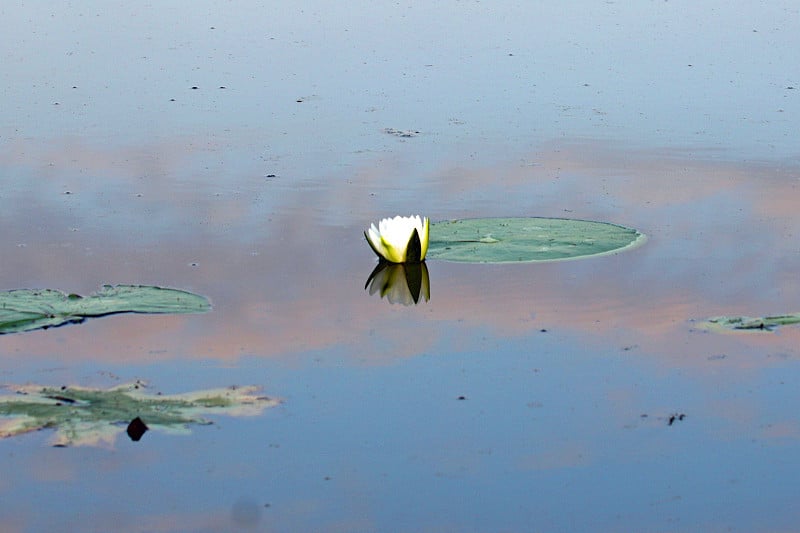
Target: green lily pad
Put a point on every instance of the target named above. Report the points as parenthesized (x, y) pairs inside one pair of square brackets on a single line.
[(30, 309), (520, 240), (751, 324), (91, 417)]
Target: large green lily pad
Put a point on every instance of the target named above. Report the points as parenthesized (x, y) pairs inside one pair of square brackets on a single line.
[(515, 240), (29, 309), (90, 417), (749, 324)]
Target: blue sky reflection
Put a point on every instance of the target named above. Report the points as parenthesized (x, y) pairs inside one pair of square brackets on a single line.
[(254, 188)]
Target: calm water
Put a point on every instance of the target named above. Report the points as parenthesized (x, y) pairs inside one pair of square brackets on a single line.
[(239, 150)]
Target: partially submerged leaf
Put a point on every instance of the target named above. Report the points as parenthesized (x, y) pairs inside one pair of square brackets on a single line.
[(30, 309), (751, 324), (513, 240), (136, 429), (90, 417)]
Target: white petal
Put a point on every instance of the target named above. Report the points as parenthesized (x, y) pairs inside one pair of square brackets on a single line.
[(374, 238), (396, 231)]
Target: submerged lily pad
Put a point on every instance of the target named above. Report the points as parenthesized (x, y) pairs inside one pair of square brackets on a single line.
[(514, 240), (752, 324), (90, 417), (30, 309)]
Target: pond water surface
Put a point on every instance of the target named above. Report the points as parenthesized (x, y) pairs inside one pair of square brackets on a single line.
[(239, 151)]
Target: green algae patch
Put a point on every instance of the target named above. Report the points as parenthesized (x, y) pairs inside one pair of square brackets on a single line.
[(523, 240), (749, 324), (94, 417), (30, 309)]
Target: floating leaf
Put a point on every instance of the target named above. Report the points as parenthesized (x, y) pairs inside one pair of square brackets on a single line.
[(29, 309), (90, 417), (746, 323), (513, 240)]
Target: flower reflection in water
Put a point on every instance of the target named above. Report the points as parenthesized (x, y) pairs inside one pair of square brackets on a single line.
[(403, 284)]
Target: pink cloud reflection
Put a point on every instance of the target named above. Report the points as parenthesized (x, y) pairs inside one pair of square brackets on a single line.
[(285, 263)]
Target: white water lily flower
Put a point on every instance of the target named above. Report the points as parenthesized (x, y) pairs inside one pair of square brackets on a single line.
[(400, 239)]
